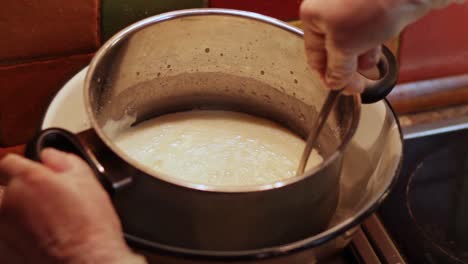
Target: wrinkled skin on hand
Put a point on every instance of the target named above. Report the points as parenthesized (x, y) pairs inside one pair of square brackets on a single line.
[(57, 212), (344, 36)]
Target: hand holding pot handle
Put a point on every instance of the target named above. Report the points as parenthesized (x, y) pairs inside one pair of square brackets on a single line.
[(67, 216), (86, 146)]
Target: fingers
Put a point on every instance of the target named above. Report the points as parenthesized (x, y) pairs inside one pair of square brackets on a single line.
[(342, 69), (369, 59), (14, 165), (355, 86), (314, 38), (55, 209), (341, 66), (337, 69), (315, 51), (56, 160), (69, 166), (335, 65), (60, 161)]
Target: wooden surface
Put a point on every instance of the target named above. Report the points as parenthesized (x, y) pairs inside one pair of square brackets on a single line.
[(381, 241), (430, 94), (428, 117), (433, 57)]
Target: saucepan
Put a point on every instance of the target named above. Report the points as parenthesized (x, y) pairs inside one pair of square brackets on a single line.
[(214, 59)]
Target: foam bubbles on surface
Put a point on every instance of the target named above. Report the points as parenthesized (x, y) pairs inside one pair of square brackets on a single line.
[(219, 148)]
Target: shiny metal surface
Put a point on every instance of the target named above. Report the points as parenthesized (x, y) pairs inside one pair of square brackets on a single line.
[(189, 60), (165, 64), (370, 168), (236, 60), (434, 128)]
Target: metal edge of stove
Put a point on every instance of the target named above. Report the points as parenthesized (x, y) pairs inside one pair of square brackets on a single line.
[(434, 128), (362, 250), (381, 241), (372, 244)]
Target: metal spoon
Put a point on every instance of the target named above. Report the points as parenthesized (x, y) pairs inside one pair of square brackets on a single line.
[(317, 128), (375, 90)]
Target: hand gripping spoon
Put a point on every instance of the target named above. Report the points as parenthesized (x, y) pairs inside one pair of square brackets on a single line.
[(375, 90)]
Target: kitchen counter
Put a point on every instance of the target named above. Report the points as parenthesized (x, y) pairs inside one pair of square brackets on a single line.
[(437, 115)]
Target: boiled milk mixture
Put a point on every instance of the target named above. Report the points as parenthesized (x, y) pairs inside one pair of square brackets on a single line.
[(221, 148)]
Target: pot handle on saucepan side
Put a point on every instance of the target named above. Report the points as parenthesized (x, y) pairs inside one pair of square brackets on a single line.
[(66, 141), (377, 90)]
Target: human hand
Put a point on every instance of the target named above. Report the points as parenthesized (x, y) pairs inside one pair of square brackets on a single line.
[(57, 213), (344, 36)]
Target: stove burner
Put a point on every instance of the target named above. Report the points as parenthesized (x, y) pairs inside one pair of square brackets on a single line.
[(437, 200), (427, 213)]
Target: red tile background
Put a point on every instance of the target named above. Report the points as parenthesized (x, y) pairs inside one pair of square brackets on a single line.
[(45, 28), (435, 46), (25, 92)]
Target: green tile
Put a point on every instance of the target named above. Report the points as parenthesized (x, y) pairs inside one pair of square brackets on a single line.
[(117, 14)]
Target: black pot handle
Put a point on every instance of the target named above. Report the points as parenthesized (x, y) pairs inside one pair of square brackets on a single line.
[(66, 141), (377, 90)]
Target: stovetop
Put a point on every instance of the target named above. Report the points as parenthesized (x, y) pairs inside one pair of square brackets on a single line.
[(426, 214), (425, 218), (372, 244)]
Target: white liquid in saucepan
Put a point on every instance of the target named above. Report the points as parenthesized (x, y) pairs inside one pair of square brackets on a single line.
[(216, 148)]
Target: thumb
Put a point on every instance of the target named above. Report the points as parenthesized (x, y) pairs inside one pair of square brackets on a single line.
[(341, 66)]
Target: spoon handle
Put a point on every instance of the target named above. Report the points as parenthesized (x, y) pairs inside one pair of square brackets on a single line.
[(317, 128)]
